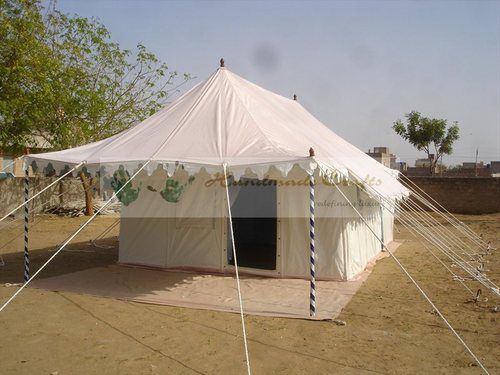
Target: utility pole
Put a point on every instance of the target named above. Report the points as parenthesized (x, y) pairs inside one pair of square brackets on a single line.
[(475, 165)]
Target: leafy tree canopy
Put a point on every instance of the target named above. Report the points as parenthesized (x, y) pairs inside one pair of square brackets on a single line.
[(64, 80), (428, 134)]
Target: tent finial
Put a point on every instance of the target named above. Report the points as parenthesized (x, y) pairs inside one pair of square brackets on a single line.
[(311, 152), (222, 62), (294, 96)]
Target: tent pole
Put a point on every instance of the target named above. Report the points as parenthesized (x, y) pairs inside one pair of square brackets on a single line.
[(26, 223), (82, 227), (45, 188), (312, 292), (417, 285), (4, 167), (230, 217)]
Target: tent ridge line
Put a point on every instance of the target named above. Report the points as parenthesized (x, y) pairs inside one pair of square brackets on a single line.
[(237, 95)]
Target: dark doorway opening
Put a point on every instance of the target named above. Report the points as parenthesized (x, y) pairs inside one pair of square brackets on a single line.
[(254, 212)]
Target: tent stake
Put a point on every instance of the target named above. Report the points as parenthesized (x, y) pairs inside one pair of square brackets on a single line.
[(26, 223)]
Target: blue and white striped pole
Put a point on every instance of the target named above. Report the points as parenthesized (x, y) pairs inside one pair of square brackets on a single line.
[(312, 294), (26, 223)]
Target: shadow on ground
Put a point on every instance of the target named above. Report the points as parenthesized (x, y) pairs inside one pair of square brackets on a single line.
[(75, 257)]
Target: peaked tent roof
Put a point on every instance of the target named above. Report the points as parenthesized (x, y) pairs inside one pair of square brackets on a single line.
[(227, 119)]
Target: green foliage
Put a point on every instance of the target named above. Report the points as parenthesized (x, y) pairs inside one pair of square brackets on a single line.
[(63, 79), (428, 134), (22, 61)]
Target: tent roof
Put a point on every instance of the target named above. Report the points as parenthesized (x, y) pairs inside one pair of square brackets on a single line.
[(227, 119)]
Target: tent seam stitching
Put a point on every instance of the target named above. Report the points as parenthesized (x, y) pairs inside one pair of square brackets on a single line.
[(255, 122)]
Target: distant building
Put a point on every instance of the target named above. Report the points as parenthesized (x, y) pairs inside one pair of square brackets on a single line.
[(400, 166), (423, 167), (466, 169), (425, 162), (472, 169), (471, 165), (10, 165), (495, 167), (383, 156), (422, 163)]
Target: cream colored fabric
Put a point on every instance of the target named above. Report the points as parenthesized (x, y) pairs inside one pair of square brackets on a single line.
[(187, 233), (227, 119), (192, 233)]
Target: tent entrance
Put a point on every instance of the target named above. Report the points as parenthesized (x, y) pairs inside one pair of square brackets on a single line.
[(254, 211)]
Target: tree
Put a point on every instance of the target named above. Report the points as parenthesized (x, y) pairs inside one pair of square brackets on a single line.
[(63, 79), (428, 134), (24, 59)]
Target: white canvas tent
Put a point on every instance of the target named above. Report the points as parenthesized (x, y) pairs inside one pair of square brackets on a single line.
[(257, 134), (227, 119), (226, 130), (192, 233)]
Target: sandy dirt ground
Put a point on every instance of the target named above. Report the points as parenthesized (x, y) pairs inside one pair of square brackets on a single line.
[(390, 328)]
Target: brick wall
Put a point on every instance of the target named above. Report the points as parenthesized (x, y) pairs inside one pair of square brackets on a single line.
[(459, 172), (464, 195), (469, 172)]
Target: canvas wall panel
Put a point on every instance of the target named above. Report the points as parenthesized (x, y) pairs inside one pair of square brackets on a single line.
[(143, 241), (294, 216), (183, 233), (388, 218)]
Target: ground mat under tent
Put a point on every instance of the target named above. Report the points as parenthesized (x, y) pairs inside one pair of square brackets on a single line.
[(261, 296)]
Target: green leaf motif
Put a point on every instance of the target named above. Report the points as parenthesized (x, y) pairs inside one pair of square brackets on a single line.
[(128, 194), (173, 189)]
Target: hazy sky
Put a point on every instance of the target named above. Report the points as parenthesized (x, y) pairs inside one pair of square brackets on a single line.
[(357, 66)]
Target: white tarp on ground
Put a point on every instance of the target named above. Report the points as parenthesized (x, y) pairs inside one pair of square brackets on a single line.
[(261, 296)]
